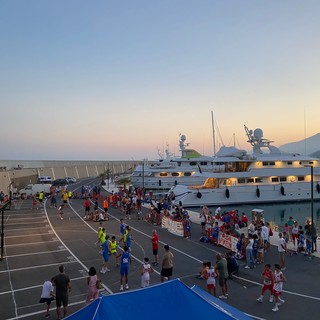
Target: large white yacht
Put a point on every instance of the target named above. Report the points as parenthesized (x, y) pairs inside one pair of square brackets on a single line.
[(169, 170), (260, 177)]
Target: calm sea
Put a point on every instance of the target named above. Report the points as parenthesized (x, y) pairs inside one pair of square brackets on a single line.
[(278, 214)]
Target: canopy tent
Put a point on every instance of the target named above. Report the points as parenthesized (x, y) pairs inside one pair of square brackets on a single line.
[(168, 300)]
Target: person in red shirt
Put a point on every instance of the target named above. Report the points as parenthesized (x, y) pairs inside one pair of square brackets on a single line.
[(155, 247), (87, 208), (244, 219), (268, 282)]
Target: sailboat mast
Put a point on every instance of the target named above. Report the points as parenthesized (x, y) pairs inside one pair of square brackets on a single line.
[(213, 134)]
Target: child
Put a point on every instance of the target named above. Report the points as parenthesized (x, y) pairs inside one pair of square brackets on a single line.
[(60, 211), (301, 241), (34, 203), (279, 279), (122, 227), (145, 273), (112, 248), (203, 268), (47, 295), (215, 233), (268, 283), (124, 268), (210, 275)]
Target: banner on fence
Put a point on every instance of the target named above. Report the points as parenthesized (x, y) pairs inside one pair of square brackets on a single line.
[(228, 241), (173, 226)]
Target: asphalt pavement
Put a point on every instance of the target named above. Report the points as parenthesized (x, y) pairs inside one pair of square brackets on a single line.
[(37, 242)]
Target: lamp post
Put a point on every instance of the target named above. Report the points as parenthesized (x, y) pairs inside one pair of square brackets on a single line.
[(312, 199), (312, 223)]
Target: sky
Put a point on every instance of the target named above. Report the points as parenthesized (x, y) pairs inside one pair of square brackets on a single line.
[(121, 79)]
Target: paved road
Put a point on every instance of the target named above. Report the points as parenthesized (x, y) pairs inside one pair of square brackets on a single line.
[(37, 242)]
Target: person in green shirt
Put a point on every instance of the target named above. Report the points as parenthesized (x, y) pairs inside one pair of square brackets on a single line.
[(221, 269)]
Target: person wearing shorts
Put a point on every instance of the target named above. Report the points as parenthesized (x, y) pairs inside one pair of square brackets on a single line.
[(167, 264), (124, 267), (155, 247), (47, 295), (63, 287), (268, 282)]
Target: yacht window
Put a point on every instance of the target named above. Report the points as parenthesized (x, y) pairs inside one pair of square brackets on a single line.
[(250, 180), (300, 178), (204, 163), (266, 163), (310, 162), (175, 174), (163, 174), (258, 180), (274, 179), (283, 179), (187, 174), (241, 180), (289, 163), (193, 163)]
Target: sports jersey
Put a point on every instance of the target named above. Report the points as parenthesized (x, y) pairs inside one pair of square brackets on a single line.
[(267, 277), (145, 277), (277, 277), (211, 276)]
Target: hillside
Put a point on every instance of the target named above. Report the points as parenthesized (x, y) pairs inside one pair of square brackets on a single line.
[(307, 146)]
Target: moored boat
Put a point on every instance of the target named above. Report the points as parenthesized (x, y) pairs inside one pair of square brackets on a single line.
[(259, 177), (169, 171)]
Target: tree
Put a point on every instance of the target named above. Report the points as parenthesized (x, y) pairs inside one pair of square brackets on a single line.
[(123, 182), (105, 175)]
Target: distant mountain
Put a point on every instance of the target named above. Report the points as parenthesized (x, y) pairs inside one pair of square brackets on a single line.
[(307, 146)]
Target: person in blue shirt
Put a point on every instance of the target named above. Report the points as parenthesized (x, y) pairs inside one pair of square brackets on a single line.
[(122, 227), (124, 267)]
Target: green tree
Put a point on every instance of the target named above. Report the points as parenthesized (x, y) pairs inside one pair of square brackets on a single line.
[(123, 182)]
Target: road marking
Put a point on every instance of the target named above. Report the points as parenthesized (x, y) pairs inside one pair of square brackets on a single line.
[(35, 253)]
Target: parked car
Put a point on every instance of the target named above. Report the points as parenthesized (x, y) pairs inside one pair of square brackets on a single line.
[(71, 180), (60, 182)]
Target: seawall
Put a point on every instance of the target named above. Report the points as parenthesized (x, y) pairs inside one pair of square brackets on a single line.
[(17, 174)]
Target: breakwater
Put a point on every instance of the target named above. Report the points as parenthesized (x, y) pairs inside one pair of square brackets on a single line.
[(15, 174)]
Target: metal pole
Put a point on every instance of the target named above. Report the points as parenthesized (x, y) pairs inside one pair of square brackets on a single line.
[(312, 225), (143, 175), (2, 232)]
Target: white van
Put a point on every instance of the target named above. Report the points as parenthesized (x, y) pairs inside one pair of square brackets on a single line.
[(45, 179), (32, 189)]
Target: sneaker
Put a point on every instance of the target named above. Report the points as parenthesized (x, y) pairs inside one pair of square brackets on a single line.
[(103, 271), (260, 299), (47, 315), (247, 267), (223, 297), (126, 287), (271, 299), (121, 288), (284, 268), (275, 309), (281, 302), (107, 270)]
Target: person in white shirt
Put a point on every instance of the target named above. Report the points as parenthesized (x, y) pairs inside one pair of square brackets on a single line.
[(47, 295), (282, 248), (145, 273)]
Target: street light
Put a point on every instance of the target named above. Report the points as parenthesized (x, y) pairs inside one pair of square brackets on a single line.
[(312, 223)]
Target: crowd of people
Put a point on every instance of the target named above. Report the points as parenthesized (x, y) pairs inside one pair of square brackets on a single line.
[(252, 245)]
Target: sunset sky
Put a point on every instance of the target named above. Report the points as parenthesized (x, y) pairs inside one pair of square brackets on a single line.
[(115, 80)]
